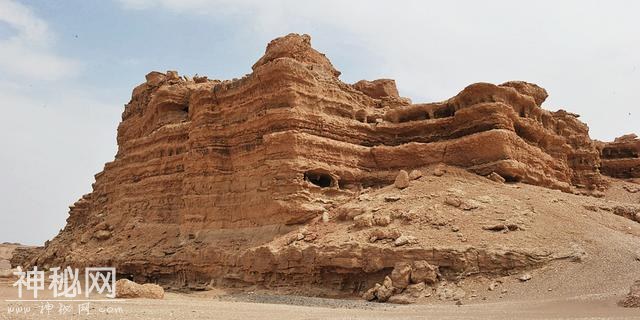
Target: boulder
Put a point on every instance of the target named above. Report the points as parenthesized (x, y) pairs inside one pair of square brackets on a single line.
[(382, 220), (534, 91), (402, 240), (402, 180), (128, 289), (423, 272), (386, 290), (525, 277), (102, 235), (415, 174), (172, 75), (496, 177), (155, 78), (371, 293), (382, 234), (391, 198), (363, 220), (401, 275), (453, 201), (377, 89), (349, 211)]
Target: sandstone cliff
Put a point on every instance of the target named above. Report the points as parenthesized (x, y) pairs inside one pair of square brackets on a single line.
[(212, 179), (621, 158)]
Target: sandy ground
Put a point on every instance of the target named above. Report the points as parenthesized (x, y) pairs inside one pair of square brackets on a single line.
[(256, 306)]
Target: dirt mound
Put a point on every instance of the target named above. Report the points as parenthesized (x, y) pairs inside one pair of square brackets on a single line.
[(285, 179)]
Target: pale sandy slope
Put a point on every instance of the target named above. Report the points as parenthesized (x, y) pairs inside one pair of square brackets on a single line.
[(183, 306)]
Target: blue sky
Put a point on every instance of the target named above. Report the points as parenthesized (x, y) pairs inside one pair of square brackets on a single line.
[(68, 67)]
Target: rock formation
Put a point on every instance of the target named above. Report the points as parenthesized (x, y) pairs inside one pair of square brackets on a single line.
[(621, 158), (213, 179), (129, 289)]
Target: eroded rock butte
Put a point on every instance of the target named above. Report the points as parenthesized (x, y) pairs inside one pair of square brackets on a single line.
[(215, 182)]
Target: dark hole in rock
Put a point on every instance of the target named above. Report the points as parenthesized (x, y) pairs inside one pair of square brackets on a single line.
[(415, 115), (448, 111), (617, 153), (320, 179), (511, 179), (173, 112)]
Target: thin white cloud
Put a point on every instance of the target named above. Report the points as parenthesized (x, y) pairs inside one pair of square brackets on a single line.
[(29, 52)]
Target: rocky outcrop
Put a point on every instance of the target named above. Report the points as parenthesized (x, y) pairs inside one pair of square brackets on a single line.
[(621, 158), (211, 175), (22, 254), (378, 89)]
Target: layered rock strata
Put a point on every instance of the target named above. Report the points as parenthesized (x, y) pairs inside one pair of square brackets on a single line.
[(621, 158), (207, 172)]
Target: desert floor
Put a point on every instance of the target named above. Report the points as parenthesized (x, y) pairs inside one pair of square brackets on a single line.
[(207, 305)]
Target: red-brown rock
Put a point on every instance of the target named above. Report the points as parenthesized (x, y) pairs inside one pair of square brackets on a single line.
[(621, 158), (213, 178)]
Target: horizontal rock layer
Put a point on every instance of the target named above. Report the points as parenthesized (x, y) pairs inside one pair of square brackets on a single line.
[(621, 158), (237, 163)]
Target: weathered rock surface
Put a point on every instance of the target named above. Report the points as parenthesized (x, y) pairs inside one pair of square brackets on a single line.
[(401, 275), (129, 289), (632, 300), (423, 272), (214, 181), (402, 180), (621, 158), (20, 255), (378, 89)]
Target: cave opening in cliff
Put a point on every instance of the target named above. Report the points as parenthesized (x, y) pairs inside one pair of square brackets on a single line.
[(511, 179), (173, 112), (617, 153), (448, 111), (320, 179), (417, 115)]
